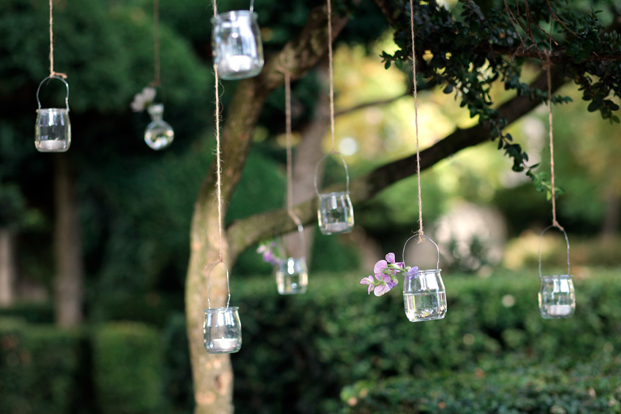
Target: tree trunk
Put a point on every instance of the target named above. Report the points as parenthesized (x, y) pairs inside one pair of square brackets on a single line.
[(307, 154), (212, 374), (611, 220), (7, 268), (69, 281)]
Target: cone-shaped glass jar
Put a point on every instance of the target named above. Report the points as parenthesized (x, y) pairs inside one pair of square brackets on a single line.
[(424, 296), (159, 134), (237, 45), (222, 330), (557, 298), (53, 128), (335, 213), (292, 276)]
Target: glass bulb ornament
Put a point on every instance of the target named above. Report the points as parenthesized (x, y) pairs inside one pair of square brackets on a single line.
[(236, 44), (222, 330), (52, 127), (424, 295), (557, 297), (159, 134), (335, 213)]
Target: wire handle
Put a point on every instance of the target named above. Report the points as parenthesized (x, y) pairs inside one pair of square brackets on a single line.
[(344, 165), (566, 240), (300, 228), (426, 237), (50, 78), (228, 286)]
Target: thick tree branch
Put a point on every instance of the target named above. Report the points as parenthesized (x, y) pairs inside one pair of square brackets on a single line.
[(557, 56), (246, 232), (370, 104)]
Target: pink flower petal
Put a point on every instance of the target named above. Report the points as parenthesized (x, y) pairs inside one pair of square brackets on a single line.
[(379, 267), (390, 257)]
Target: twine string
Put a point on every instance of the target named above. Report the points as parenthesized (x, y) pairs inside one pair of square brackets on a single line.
[(330, 58), (156, 43), (288, 133), (415, 92), (52, 73), (218, 182), (549, 75)]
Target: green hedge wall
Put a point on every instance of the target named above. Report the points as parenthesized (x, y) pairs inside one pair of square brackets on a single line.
[(127, 361), (300, 351), (38, 368), (560, 388)]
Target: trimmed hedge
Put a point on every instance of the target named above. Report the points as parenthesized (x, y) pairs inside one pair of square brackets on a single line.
[(38, 368), (127, 368), (562, 388), (300, 351)]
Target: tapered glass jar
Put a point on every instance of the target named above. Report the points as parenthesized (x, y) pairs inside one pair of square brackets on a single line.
[(292, 276), (424, 295), (53, 127), (557, 296), (237, 46), (222, 330), (159, 134), (335, 213)]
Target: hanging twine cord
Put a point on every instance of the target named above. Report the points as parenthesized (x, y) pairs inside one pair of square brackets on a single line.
[(420, 196), (52, 73), (548, 70), (156, 43), (330, 58)]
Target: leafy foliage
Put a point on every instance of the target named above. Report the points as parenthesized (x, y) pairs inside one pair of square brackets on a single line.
[(468, 49)]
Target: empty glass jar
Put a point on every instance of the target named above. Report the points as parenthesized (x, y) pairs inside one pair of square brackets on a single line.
[(292, 276), (424, 295), (222, 330), (53, 128), (336, 212), (159, 134), (237, 45), (557, 298)]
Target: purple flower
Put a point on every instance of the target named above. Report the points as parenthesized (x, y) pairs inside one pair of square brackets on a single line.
[(368, 281), (380, 290), (379, 267), (412, 272)]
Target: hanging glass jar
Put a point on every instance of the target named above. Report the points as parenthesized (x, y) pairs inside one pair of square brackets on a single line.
[(236, 43), (335, 213), (424, 296), (53, 128), (557, 298), (159, 134), (292, 272), (222, 327)]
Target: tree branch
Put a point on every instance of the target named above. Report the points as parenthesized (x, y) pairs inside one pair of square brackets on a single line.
[(370, 104), (246, 232)]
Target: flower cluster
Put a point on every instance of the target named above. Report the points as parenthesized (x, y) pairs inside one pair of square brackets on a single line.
[(270, 254), (386, 272), (142, 100)]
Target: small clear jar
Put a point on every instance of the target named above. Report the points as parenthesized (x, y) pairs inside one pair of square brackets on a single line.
[(53, 127), (557, 296), (222, 330), (424, 295), (292, 276), (335, 213), (237, 46), (159, 134)]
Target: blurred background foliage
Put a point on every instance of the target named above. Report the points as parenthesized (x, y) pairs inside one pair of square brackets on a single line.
[(135, 207)]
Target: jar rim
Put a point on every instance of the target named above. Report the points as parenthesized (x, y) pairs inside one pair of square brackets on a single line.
[(425, 271), (52, 110), (556, 277), (222, 309), (242, 13), (334, 193)]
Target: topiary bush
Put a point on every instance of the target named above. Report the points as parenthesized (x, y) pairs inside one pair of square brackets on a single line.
[(39, 368), (127, 368)]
